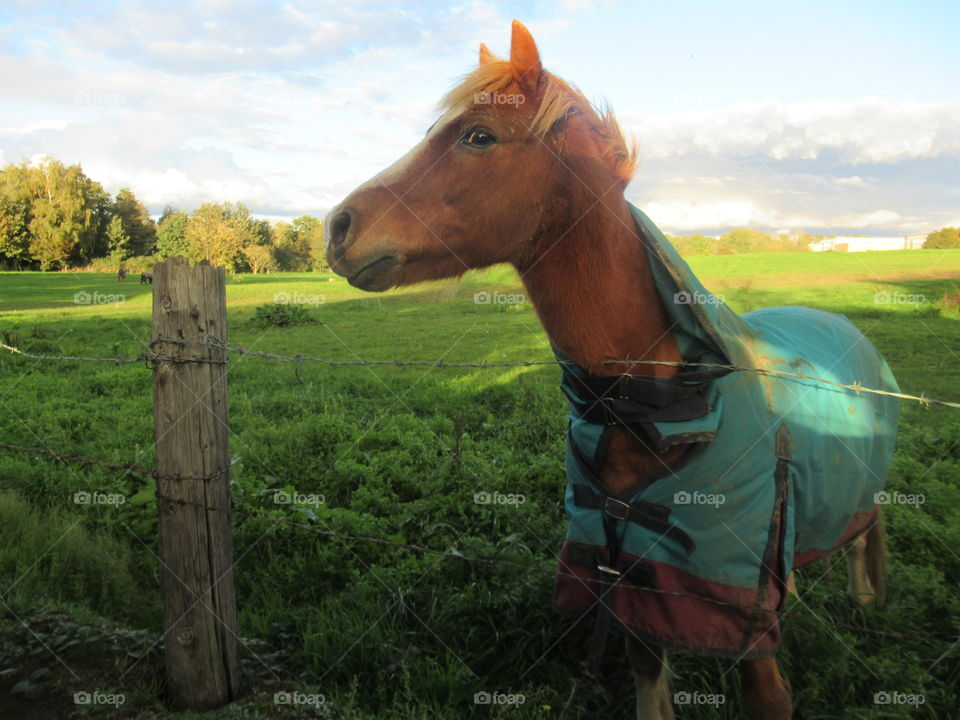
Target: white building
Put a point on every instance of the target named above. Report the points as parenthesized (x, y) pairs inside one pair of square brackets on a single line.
[(847, 243)]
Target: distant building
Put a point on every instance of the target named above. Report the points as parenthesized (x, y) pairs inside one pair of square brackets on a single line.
[(862, 244)]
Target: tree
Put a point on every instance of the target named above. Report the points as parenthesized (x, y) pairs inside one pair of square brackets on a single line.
[(802, 241), (93, 242), (172, 233), (743, 240), (694, 245), (15, 214), (292, 247), (262, 232), (310, 241), (118, 242), (68, 215), (258, 250), (218, 232), (137, 223), (948, 237), (260, 258)]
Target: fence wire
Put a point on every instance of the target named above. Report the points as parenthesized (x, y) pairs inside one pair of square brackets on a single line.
[(150, 357), (494, 562)]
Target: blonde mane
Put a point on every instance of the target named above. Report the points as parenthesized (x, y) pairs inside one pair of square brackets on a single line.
[(558, 100)]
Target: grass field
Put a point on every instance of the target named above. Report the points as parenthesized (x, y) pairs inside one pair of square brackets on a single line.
[(398, 453)]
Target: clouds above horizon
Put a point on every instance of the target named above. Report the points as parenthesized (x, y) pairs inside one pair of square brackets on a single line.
[(815, 165), (287, 106)]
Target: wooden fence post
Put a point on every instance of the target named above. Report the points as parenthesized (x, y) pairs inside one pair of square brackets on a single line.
[(196, 541)]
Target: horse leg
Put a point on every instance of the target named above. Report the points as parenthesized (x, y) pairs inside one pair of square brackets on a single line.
[(765, 693), (649, 664), (792, 586), (866, 564), (858, 581)]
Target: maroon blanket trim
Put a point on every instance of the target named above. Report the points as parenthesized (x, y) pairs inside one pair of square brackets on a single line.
[(858, 525), (771, 585), (756, 653), (682, 615)]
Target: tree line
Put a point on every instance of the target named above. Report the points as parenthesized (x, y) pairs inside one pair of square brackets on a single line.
[(742, 240), (54, 217), (745, 240)]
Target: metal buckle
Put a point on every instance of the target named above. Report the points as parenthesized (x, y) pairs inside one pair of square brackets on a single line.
[(617, 509), (609, 417), (606, 569)]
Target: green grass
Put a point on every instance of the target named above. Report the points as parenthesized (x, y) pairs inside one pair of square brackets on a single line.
[(398, 453)]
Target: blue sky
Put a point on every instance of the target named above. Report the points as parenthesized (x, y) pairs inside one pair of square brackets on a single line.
[(825, 116)]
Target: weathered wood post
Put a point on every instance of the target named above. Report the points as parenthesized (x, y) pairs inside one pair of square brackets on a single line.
[(196, 540)]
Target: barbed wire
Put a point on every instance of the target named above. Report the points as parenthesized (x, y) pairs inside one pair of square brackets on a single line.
[(142, 357), (300, 358), (271, 516), (137, 469)]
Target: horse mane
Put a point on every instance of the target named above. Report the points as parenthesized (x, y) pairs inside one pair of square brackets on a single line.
[(558, 100)]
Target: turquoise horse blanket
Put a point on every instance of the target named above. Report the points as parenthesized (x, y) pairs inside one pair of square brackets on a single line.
[(781, 469)]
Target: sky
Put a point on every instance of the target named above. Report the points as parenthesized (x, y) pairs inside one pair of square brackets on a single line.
[(830, 117)]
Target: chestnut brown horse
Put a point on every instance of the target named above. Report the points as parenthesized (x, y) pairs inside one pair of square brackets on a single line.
[(521, 169)]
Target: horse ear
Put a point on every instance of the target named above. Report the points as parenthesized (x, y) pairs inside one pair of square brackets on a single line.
[(524, 57), (485, 55)]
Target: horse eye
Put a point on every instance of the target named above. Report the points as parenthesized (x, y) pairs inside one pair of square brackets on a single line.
[(478, 138)]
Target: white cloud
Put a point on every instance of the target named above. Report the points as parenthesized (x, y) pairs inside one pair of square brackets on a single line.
[(691, 216), (854, 181), (289, 107), (703, 180), (869, 130)]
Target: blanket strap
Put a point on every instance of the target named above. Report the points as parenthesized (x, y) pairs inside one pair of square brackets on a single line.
[(650, 515), (616, 511), (633, 399), (629, 400)]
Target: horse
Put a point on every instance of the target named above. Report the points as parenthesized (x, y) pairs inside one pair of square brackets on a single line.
[(672, 394)]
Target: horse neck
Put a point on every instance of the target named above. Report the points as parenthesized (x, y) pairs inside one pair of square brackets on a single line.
[(591, 284)]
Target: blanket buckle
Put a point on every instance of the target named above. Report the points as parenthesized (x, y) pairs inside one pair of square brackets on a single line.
[(617, 509)]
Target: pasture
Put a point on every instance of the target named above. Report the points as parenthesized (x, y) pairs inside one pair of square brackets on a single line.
[(391, 630)]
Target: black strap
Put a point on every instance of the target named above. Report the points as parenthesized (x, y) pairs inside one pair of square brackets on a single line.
[(630, 399), (649, 515), (638, 572), (598, 640)]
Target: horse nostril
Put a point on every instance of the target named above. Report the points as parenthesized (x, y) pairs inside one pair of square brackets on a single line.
[(340, 229)]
